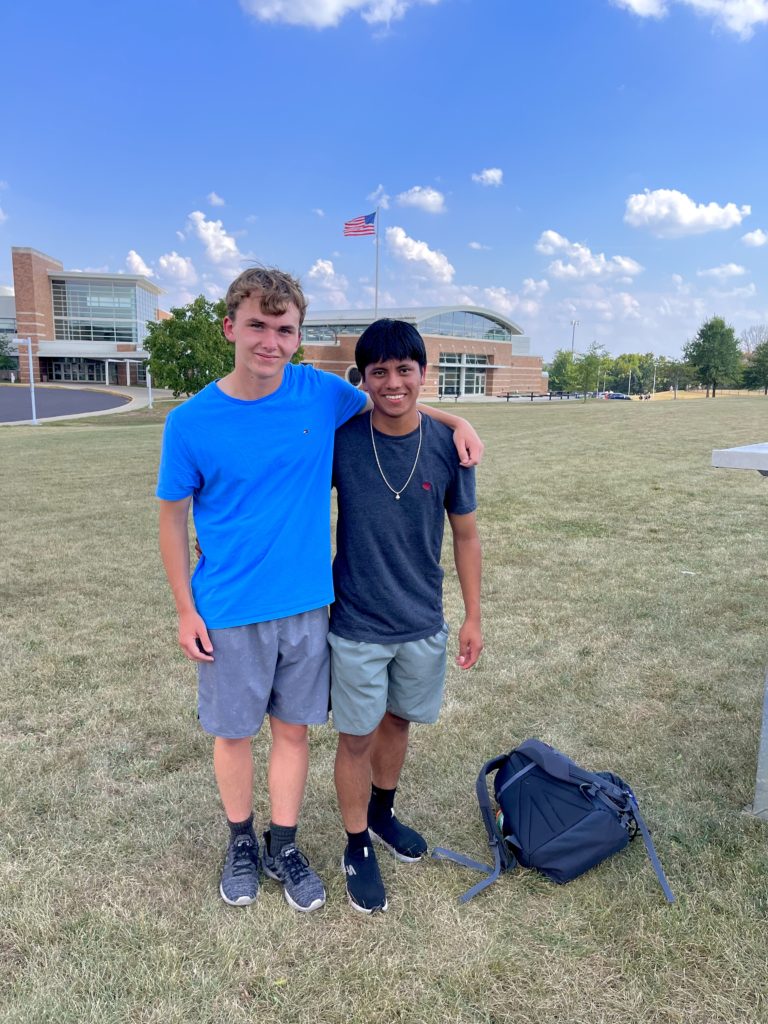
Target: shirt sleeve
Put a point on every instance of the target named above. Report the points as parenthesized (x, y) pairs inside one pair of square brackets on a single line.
[(178, 476), (348, 400), (460, 498)]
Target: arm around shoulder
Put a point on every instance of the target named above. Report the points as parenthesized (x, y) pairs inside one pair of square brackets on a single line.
[(468, 444)]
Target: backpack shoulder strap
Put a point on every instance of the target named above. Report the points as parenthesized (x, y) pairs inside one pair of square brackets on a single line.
[(503, 859), (651, 850)]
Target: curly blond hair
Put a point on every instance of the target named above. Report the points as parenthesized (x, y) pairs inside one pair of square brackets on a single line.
[(276, 289)]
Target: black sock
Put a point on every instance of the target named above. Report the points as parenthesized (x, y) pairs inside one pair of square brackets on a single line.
[(358, 840), (278, 837), (240, 828), (381, 803)]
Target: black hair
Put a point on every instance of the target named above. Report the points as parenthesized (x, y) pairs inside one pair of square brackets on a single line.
[(389, 339)]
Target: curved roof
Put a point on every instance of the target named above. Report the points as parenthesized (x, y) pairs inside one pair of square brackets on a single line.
[(411, 314)]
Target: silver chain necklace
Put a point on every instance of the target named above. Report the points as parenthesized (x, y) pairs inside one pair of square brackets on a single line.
[(413, 468)]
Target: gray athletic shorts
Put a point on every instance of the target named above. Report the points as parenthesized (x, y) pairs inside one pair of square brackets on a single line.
[(406, 679), (279, 668)]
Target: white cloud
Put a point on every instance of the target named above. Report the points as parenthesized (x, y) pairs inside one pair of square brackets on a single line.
[(745, 292), (606, 308), (6, 289), (220, 247), (3, 216), (535, 288), (215, 200), (502, 300), (179, 268), (490, 176), (582, 262), (682, 287), (328, 13), (668, 213), (318, 212), (755, 238), (136, 265), (333, 286), (629, 307), (181, 236), (478, 245), (643, 8), (723, 272), (427, 199), (213, 289), (739, 16), (379, 197), (413, 251)]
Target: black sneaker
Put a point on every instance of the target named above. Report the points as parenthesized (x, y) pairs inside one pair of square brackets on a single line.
[(404, 843), (240, 876), (302, 887), (365, 888)]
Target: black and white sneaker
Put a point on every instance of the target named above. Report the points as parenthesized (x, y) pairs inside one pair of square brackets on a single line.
[(302, 888), (404, 843), (240, 876), (365, 888)]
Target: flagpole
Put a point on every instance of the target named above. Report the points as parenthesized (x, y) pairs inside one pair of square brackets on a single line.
[(376, 292)]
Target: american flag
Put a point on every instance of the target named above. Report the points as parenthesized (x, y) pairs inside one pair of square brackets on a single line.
[(361, 225)]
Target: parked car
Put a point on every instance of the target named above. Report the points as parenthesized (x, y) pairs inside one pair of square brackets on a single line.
[(618, 394)]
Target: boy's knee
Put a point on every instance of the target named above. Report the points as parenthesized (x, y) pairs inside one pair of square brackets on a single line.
[(224, 743), (355, 746), (289, 733), (395, 722)]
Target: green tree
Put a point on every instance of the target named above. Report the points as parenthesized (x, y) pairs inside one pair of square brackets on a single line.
[(562, 371), (189, 350), (756, 371), (714, 354), (672, 374), (8, 360), (588, 368), (625, 375)]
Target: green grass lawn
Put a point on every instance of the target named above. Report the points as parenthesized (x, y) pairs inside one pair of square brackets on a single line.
[(625, 601)]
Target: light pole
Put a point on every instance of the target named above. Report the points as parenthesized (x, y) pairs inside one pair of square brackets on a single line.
[(653, 389), (27, 342), (574, 325)]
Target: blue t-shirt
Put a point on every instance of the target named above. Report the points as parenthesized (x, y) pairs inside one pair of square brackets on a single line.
[(387, 575), (259, 475)]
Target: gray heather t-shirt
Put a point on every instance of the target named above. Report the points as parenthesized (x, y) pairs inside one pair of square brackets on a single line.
[(386, 574)]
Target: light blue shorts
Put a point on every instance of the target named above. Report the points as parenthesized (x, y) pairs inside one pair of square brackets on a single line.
[(406, 679), (275, 668)]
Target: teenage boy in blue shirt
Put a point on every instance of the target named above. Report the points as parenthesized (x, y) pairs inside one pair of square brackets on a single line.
[(396, 475), (252, 454)]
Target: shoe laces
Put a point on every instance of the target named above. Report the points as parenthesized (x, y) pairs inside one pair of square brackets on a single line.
[(243, 856), (294, 863)]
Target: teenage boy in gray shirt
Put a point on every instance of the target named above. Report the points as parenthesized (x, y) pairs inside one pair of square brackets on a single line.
[(396, 475)]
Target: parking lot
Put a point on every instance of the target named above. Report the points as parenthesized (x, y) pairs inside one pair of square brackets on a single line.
[(16, 405)]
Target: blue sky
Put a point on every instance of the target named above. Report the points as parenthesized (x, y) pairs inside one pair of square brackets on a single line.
[(596, 160)]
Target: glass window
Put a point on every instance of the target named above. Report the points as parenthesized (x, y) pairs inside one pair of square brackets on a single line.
[(97, 310), (463, 324), (449, 380)]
